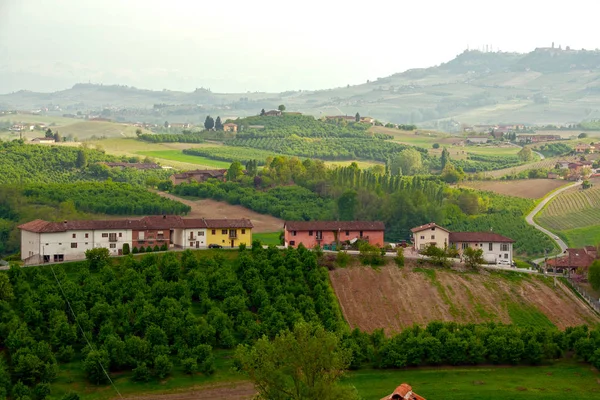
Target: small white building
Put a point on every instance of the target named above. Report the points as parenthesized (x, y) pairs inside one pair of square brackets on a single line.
[(477, 139), (431, 233)]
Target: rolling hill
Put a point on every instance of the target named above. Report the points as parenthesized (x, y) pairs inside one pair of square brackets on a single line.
[(547, 85)]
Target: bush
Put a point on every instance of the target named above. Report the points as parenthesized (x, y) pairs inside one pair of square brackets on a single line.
[(149, 249), (164, 247), (162, 366), (141, 373), (399, 259), (189, 365), (97, 258), (135, 250), (436, 146), (594, 275), (370, 255), (242, 247), (436, 255), (156, 248), (142, 249), (342, 259), (71, 396), (126, 249), (207, 366)]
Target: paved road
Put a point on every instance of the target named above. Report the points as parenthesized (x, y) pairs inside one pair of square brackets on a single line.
[(537, 209)]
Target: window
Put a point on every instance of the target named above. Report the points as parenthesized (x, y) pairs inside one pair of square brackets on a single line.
[(160, 232), (292, 242), (113, 246), (319, 235), (106, 234), (87, 235), (243, 231), (112, 237), (293, 233), (73, 245), (491, 246), (120, 234), (201, 233), (224, 231), (361, 233), (465, 245), (191, 244), (505, 255), (504, 247), (232, 233), (86, 243), (60, 244), (74, 236), (347, 233), (223, 241), (141, 235), (433, 236), (310, 233), (433, 228), (214, 231), (423, 237)]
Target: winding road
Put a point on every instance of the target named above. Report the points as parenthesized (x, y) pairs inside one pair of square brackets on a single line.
[(538, 208)]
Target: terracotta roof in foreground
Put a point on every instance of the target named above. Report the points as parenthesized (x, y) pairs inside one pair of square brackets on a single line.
[(334, 225), (461, 237), (428, 226), (229, 223)]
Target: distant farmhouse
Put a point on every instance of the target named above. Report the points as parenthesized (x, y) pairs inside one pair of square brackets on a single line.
[(322, 233), (585, 148), (272, 113), (529, 138), (574, 259), (477, 139), (43, 140), (230, 127)]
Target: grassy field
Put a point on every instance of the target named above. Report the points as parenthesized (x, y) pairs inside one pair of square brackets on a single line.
[(177, 155), (527, 188), (574, 215), (557, 381), (267, 238)]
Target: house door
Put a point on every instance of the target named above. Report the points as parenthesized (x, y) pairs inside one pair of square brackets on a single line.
[(197, 244), (120, 252), (232, 242)]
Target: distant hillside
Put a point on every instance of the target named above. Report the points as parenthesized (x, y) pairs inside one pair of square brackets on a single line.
[(547, 85)]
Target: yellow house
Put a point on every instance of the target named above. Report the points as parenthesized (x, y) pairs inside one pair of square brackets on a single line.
[(229, 232)]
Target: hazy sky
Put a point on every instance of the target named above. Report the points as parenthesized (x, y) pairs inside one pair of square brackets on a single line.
[(245, 45)]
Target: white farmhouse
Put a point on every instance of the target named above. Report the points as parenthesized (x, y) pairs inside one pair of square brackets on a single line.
[(431, 233), (497, 249)]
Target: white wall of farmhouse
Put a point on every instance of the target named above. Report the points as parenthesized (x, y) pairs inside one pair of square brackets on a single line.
[(190, 238)]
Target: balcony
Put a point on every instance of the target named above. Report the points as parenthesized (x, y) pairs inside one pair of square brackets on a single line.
[(233, 235)]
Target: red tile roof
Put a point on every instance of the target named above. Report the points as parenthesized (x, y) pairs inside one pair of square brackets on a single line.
[(462, 237), (146, 223), (575, 258), (428, 226), (334, 225), (405, 392)]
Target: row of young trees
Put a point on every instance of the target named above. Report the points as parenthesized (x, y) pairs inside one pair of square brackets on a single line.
[(148, 315)]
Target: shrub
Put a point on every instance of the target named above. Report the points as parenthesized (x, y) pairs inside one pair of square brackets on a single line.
[(370, 255), (594, 275), (164, 247), (149, 249), (97, 258), (156, 248), (142, 249), (342, 259), (190, 365), (208, 365), (71, 396), (242, 247), (436, 255), (126, 249), (141, 373), (436, 146), (135, 250), (162, 366), (399, 259)]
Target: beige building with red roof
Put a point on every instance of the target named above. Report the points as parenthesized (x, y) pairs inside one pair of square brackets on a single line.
[(321, 233), (496, 248), (44, 241), (573, 259)]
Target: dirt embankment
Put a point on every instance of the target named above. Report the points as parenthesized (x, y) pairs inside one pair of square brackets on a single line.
[(207, 208), (393, 298), (225, 391)]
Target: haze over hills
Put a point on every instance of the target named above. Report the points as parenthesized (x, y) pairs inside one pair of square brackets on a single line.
[(547, 85)]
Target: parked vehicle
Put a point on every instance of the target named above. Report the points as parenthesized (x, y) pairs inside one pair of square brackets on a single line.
[(215, 246), (503, 262)]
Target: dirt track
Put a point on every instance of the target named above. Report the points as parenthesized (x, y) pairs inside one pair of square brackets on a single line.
[(394, 298), (208, 208), (225, 391)]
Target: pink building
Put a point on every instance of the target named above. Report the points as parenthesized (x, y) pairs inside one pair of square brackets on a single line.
[(311, 233)]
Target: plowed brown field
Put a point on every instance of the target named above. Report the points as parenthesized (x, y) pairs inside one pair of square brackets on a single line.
[(393, 298), (527, 188), (225, 391)]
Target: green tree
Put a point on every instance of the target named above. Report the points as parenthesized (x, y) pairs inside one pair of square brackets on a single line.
[(473, 257), (262, 112), (96, 365), (436, 255), (6, 290), (451, 174), (82, 160), (410, 161), (445, 158), (138, 132), (142, 373), (594, 275), (166, 185), (399, 259), (218, 124), (281, 108), (436, 146), (582, 135), (166, 125), (163, 366), (235, 171), (209, 123), (126, 249), (306, 363), (357, 117), (97, 258), (252, 168), (525, 154), (49, 134), (347, 204)]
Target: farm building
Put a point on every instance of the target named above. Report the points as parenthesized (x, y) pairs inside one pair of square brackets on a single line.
[(230, 127), (495, 247), (573, 259), (312, 233), (198, 175), (477, 139), (272, 113), (43, 140), (43, 241), (403, 392), (585, 148)]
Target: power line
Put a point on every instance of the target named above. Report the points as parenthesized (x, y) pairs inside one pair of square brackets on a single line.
[(82, 331)]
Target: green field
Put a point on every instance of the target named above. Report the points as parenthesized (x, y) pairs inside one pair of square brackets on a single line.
[(177, 155), (574, 215), (566, 379), (267, 238)]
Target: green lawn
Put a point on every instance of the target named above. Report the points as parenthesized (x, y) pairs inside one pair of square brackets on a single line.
[(579, 237), (268, 238), (492, 150), (177, 155), (565, 379)]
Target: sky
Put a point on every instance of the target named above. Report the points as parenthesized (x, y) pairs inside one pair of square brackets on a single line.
[(239, 46)]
